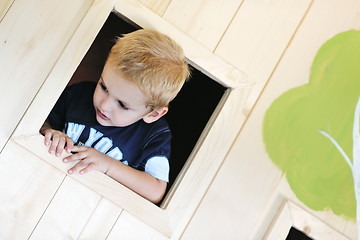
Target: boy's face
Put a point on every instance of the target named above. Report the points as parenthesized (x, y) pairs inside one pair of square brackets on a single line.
[(118, 102)]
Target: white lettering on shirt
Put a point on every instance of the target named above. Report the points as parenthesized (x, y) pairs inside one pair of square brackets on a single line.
[(104, 145), (93, 136), (115, 153), (74, 131)]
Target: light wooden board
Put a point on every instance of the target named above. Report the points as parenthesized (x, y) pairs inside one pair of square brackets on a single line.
[(157, 6), (130, 227), (258, 36), (69, 212), (66, 65), (102, 221), (247, 164), (242, 188), (30, 46), (204, 21), (27, 185)]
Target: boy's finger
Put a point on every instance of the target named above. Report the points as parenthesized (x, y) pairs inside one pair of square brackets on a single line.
[(87, 169), (69, 144), (77, 168), (47, 138), (54, 143), (60, 146), (78, 148), (73, 169), (75, 157)]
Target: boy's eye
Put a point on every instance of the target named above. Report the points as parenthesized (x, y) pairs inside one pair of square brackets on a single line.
[(103, 87), (123, 106)]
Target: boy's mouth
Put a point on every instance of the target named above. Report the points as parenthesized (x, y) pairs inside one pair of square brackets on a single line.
[(101, 115)]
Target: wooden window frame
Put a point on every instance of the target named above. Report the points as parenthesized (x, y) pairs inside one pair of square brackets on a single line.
[(292, 215), (206, 158)]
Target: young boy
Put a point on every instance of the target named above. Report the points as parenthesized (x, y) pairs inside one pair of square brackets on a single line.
[(116, 125)]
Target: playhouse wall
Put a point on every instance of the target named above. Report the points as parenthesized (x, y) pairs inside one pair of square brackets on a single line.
[(272, 42)]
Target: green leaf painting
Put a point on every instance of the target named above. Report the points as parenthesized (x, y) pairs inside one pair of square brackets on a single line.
[(316, 170)]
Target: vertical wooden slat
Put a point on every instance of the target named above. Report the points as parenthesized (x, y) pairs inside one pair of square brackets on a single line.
[(204, 21), (32, 36), (258, 36), (102, 221), (27, 185), (65, 66), (68, 213), (131, 228)]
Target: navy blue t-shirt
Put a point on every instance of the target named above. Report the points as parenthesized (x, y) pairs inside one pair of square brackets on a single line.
[(143, 146)]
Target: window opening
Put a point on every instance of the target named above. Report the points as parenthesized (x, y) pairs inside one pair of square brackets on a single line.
[(188, 113)]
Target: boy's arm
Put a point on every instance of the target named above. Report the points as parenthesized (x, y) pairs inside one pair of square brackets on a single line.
[(140, 182)]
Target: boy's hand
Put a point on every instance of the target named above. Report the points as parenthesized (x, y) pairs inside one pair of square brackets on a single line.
[(90, 159), (58, 141)]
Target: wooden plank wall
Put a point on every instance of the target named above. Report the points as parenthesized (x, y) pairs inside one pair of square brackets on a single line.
[(273, 42), (248, 190)]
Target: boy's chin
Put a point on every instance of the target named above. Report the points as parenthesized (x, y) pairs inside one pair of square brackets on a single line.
[(107, 123), (103, 122)]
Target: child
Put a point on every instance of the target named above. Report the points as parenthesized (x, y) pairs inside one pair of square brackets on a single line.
[(115, 126)]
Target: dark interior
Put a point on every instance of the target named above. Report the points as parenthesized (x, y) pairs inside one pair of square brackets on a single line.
[(295, 234), (188, 112)]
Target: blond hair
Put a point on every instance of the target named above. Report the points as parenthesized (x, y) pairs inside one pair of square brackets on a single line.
[(153, 62)]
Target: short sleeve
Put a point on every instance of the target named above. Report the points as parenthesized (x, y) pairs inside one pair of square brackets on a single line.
[(158, 167), (155, 155)]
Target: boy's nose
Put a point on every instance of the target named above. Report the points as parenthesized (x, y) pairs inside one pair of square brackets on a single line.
[(105, 104)]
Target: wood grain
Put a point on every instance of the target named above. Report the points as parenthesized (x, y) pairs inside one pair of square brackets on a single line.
[(27, 185), (159, 7), (258, 36), (68, 212), (248, 177), (205, 22), (102, 221), (30, 46), (130, 227)]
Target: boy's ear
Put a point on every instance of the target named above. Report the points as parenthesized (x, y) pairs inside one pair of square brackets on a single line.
[(155, 114)]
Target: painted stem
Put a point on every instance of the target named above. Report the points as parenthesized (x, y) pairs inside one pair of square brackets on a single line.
[(355, 165)]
